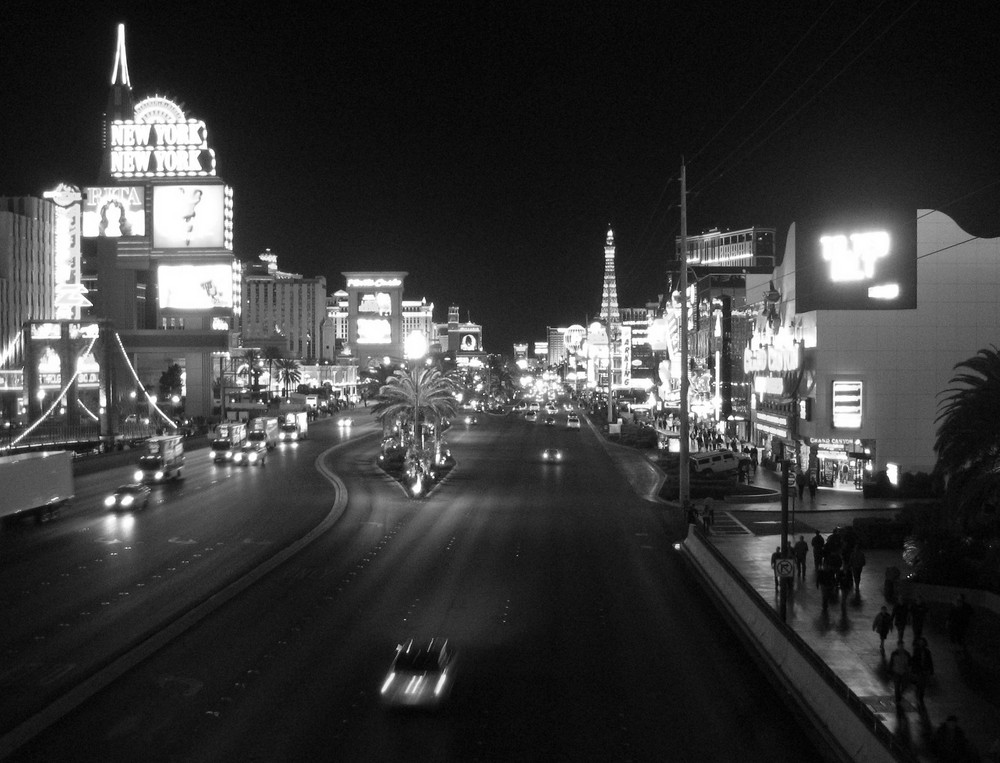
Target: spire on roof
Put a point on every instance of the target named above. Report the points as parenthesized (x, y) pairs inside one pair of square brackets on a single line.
[(121, 62)]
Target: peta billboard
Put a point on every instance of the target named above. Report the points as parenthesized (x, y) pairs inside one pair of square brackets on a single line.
[(864, 260)]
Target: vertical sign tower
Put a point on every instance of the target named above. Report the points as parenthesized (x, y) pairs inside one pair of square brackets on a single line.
[(610, 314)]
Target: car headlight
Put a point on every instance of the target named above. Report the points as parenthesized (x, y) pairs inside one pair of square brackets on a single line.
[(138, 475), (109, 501), (252, 457), (127, 500), (229, 454), (159, 475), (388, 682)]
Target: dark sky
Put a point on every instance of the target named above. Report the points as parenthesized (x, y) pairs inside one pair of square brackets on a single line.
[(484, 148)]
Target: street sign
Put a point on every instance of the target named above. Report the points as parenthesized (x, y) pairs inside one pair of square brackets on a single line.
[(785, 568)]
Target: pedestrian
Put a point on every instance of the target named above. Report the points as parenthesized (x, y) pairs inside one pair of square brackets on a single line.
[(857, 562), (826, 581), (774, 564), (958, 621), (882, 625), (800, 483), (918, 614), (817, 544), (922, 668), (709, 514), (899, 667), (813, 486), (801, 551), (844, 582), (901, 616), (950, 742)]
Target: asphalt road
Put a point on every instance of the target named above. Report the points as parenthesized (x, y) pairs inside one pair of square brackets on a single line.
[(581, 633)]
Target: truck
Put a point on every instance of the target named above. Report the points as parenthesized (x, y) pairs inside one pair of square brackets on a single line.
[(229, 438), (163, 459), (294, 426), (35, 484), (264, 429)]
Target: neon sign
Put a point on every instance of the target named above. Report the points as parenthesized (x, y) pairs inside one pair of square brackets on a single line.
[(847, 404), (854, 261), (160, 142), (368, 283)]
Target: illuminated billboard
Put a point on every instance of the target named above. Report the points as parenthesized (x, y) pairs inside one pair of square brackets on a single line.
[(195, 287), (192, 217), (160, 142), (114, 212), (857, 261), (374, 331)]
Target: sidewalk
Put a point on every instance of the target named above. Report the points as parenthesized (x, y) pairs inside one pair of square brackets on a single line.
[(964, 684)]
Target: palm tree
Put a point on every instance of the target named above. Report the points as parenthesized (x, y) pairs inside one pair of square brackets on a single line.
[(253, 369), (968, 436), (272, 354), (410, 395), (288, 373)]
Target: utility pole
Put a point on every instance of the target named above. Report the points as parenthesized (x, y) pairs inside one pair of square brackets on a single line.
[(684, 457)]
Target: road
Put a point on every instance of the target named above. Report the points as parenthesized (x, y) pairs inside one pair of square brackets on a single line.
[(581, 633)]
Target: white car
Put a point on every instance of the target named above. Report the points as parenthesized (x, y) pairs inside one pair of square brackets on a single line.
[(421, 675), (572, 421)]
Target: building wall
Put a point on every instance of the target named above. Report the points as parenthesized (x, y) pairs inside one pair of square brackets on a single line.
[(27, 278), (905, 358), (286, 312)]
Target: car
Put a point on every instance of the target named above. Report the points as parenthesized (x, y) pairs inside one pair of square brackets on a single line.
[(421, 674), (552, 455), (251, 454), (534, 407), (549, 421), (471, 420), (531, 416), (134, 495), (345, 422), (521, 406), (550, 408), (572, 421), (714, 462)]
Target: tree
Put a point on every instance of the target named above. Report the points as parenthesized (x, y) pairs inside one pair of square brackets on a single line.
[(968, 437), (413, 395), (253, 368), (171, 382), (288, 373), (272, 354)]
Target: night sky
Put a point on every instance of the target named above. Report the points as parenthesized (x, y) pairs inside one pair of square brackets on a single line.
[(484, 148)]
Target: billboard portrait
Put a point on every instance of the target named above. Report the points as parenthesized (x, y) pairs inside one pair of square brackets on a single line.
[(863, 260), (195, 287), (189, 217), (114, 212)]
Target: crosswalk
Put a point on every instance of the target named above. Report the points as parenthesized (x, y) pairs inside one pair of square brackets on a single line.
[(727, 525)]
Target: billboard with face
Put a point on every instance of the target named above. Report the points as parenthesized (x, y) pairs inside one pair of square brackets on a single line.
[(114, 212), (191, 217), (863, 260), (195, 287)]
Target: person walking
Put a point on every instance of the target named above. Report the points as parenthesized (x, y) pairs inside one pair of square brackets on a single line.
[(899, 668), (817, 546), (918, 614), (958, 621), (857, 563), (800, 483), (801, 551), (901, 616), (882, 625), (826, 581), (774, 564), (709, 514), (813, 486), (922, 668), (845, 582)]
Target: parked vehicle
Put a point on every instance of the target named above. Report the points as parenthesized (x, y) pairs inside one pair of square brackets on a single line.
[(711, 462), (264, 429), (163, 459), (229, 438), (37, 484)]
